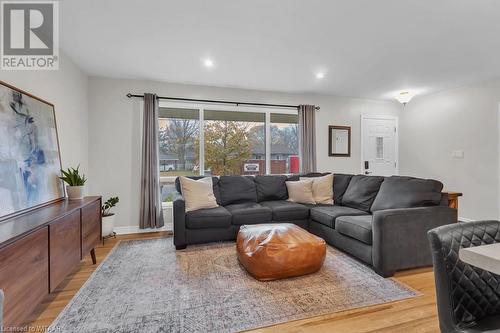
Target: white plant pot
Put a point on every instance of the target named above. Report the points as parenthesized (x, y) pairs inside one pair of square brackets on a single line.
[(108, 223), (75, 192)]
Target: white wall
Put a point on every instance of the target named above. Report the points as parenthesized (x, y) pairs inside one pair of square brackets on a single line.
[(67, 89), (115, 131), (433, 126)]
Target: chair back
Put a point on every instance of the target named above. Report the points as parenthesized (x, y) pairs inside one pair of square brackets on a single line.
[(465, 294)]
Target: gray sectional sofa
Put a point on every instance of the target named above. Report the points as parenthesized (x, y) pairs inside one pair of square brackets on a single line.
[(382, 221)]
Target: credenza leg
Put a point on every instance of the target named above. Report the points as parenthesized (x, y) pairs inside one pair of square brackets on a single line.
[(92, 254)]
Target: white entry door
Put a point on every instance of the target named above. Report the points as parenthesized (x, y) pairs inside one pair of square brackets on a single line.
[(379, 145)]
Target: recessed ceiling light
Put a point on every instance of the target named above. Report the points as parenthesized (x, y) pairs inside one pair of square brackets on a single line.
[(209, 63), (320, 75)]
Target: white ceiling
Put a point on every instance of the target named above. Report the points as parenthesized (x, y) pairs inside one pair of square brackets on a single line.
[(367, 48)]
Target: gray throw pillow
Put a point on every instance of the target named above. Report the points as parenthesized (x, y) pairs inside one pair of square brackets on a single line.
[(361, 192), (271, 188), (236, 189), (407, 192)]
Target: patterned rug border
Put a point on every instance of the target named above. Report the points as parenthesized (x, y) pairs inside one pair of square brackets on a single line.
[(417, 295), (194, 247)]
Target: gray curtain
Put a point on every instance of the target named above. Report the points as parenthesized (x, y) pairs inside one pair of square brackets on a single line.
[(151, 211), (307, 137)]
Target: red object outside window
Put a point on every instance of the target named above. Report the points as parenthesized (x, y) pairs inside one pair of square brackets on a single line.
[(294, 164)]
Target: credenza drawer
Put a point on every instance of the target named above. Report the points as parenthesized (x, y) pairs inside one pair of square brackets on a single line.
[(91, 226), (24, 276), (64, 247)]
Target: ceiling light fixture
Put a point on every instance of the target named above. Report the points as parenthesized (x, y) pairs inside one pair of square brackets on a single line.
[(320, 75), (209, 63), (404, 97)]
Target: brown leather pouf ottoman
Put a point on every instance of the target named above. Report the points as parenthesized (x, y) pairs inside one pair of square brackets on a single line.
[(277, 251)]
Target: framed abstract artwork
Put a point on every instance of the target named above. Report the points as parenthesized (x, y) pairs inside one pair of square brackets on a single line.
[(30, 160)]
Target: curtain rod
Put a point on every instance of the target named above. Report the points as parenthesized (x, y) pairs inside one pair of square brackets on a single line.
[(129, 95)]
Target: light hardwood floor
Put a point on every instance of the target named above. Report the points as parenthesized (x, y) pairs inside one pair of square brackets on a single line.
[(414, 315)]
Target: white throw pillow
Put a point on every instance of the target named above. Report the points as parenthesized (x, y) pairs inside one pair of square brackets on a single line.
[(300, 191), (198, 194), (322, 188)]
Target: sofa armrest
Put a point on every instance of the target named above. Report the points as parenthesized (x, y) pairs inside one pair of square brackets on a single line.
[(180, 223), (400, 236)]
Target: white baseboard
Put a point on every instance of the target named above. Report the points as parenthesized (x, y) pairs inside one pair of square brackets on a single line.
[(137, 230), (464, 219)]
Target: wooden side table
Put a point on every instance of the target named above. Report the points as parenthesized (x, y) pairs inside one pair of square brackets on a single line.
[(453, 198)]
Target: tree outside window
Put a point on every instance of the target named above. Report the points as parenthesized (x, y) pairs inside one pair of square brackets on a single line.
[(178, 131), (233, 143), (227, 147)]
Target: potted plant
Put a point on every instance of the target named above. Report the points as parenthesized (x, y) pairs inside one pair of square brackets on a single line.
[(108, 218), (75, 181)]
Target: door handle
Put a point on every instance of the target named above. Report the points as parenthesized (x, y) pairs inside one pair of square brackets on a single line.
[(367, 166)]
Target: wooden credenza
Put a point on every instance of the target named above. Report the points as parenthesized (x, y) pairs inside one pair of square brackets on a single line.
[(40, 248)]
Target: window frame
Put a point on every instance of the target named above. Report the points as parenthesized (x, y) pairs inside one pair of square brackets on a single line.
[(267, 111)]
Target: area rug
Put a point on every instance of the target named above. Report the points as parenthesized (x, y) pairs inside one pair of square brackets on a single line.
[(147, 286)]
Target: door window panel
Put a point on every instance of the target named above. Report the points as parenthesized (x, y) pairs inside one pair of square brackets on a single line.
[(380, 147)]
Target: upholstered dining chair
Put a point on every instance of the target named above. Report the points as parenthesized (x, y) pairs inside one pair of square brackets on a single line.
[(468, 298)]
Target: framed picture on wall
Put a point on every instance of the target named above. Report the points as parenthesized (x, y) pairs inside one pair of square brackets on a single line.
[(339, 141), (30, 160)]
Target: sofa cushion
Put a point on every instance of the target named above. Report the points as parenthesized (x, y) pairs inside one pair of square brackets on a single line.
[(357, 227), (300, 191), (340, 184), (215, 183), (361, 192), (407, 192), (322, 188), (327, 214), (271, 188), (236, 189), (208, 218), (286, 210), (249, 213), (198, 194)]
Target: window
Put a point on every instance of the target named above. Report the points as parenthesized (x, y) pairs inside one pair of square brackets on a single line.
[(284, 143), (179, 131), (207, 141), (235, 143), (178, 134)]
